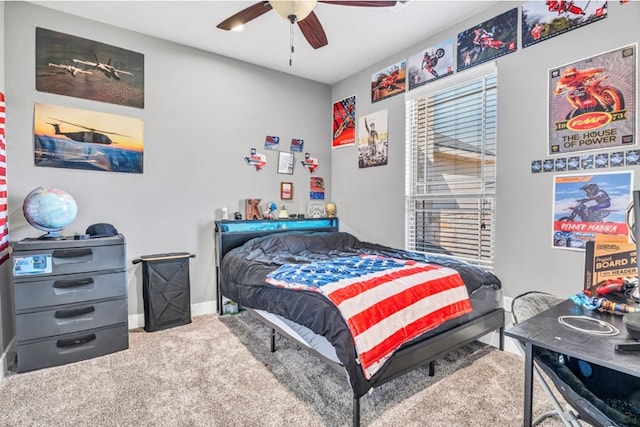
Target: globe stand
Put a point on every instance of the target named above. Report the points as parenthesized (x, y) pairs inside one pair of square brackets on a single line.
[(52, 235)]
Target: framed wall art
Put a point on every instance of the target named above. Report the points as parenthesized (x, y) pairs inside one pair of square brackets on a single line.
[(286, 190), (285, 162)]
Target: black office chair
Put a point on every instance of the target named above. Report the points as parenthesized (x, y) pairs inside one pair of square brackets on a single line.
[(524, 307), (602, 397)]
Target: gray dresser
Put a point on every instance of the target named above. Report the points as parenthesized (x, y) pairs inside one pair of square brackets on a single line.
[(70, 300)]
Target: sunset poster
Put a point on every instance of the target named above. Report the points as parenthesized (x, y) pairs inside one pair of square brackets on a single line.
[(82, 139)]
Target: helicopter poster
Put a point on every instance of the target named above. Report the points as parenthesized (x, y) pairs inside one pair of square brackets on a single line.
[(592, 102), (543, 20), (490, 39), (588, 205), (82, 139), (82, 68)]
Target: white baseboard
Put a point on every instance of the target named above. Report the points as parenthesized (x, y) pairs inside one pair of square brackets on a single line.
[(137, 320), (4, 358)]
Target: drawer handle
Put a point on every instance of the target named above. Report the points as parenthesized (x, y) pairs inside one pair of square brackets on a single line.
[(76, 341), (72, 312), (72, 253), (61, 284)]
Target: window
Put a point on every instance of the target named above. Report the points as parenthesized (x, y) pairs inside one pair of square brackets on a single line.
[(451, 169)]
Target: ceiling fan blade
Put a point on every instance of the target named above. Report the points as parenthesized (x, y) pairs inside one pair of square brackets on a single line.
[(245, 15), (312, 30), (365, 3)]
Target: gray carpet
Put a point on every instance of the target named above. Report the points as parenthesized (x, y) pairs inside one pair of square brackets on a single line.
[(220, 372)]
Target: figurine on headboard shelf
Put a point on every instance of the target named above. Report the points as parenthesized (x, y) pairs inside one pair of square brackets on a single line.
[(271, 208), (331, 210), (253, 209)]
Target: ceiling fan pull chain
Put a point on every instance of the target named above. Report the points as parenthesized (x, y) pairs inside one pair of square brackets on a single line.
[(291, 21)]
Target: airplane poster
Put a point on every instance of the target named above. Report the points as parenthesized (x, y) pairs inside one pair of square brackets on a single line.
[(82, 139), (82, 68), (490, 39), (543, 20)]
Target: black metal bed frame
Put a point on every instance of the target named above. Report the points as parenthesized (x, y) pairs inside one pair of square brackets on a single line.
[(405, 359)]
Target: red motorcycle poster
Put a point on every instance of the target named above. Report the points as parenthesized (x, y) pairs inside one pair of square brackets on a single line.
[(388, 82), (542, 20), (344, 122), (592, 102), (493, 38), (588, 205), (430, 64)]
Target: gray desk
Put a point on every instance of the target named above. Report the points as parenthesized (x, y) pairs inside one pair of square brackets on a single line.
[(544, 330)]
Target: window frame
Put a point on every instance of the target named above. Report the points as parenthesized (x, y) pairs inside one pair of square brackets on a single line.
[(460, 199)]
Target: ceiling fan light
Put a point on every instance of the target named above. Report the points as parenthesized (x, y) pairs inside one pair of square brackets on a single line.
[(300, 9)]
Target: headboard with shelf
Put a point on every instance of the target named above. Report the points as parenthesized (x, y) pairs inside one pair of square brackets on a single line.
[(230, 234)]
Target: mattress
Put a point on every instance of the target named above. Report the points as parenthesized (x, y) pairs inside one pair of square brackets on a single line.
[(245, 268)]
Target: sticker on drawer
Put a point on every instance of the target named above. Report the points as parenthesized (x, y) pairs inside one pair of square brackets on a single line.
[(32, 265)]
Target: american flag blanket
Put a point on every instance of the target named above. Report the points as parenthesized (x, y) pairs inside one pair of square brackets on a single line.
[(385, 302)]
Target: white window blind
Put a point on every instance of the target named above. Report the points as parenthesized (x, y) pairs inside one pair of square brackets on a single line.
[(451, 169)]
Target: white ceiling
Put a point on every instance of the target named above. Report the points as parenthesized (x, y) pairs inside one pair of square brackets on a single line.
[(358, 36)]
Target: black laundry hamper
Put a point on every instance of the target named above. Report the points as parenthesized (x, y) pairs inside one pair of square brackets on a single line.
[(165, 290)]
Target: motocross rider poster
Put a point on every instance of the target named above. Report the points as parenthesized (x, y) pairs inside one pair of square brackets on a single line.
[(493, 38), (543, 20), (344, 122), (590, 204), (388, 82), (592, 102), (373, 142), (430, 64)]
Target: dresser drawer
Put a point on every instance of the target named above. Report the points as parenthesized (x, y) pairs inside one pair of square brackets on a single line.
[(70, 348), (70, 318), (68, 289), (37, 261)]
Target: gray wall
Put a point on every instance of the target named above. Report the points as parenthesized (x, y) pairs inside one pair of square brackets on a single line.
[(197, 130), (371, 201), (202, 115)]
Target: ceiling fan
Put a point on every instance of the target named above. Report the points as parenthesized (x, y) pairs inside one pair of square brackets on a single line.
[(297, 11)]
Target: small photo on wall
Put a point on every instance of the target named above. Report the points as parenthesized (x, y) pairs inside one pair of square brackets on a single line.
[(82, 68), (573, 163), (601, 160), (616, 158), (388, 82), (632, 157), (536, 166), (560, 164)]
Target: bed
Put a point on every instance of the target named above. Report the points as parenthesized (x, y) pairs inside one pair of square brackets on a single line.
[(251, 256)]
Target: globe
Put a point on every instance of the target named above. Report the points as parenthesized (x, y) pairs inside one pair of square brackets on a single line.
[(50, 210)]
